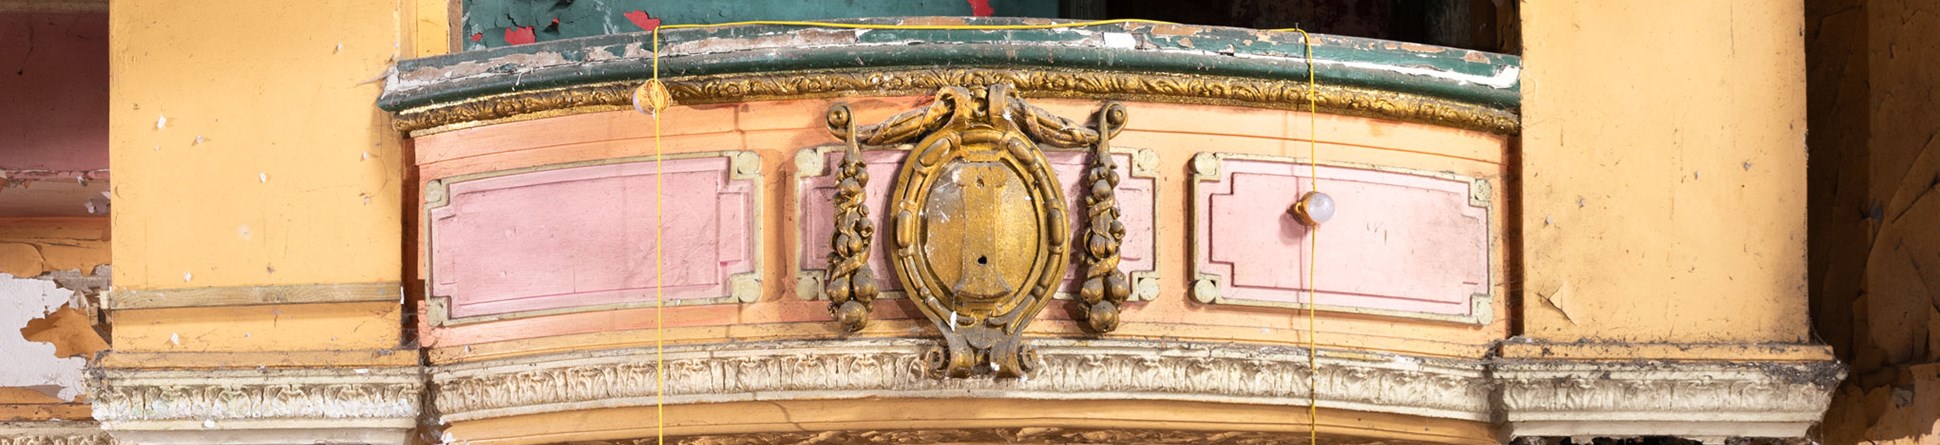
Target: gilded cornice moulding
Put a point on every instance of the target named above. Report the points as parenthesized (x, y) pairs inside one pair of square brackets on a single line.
[(1121, 61), (1045, 82)]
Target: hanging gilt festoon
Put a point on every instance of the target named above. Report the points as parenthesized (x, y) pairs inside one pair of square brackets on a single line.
[(979, 234)]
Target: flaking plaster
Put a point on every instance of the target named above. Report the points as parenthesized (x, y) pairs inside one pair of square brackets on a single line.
[(32, 364)]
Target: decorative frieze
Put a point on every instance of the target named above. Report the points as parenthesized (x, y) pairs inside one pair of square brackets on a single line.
[(323, 403), (1074, 370), (52, 433), (1540, 397), (1683, 398)]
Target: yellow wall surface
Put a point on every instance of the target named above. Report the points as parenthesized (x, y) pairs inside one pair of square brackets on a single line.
[(248, 151), (32, 246), (246, 146), (1664, 171), (1875, 259)]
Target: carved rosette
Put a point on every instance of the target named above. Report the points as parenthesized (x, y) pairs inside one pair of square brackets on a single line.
[(850, 286), (980, 237), (1105, 287)]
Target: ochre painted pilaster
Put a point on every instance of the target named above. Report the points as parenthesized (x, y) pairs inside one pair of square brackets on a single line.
[(258, 227)]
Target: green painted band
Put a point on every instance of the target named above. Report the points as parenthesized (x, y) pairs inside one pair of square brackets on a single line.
[(1467, 76)]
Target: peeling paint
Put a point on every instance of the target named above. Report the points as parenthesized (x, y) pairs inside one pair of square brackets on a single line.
[(33, 364)]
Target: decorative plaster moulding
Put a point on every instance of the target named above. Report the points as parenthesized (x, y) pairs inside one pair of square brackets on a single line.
[(1706, 399), (859, 369), (53, 433), (1535, 397), (1138, 197), (265, 405), (1460, 273), (609, 196)]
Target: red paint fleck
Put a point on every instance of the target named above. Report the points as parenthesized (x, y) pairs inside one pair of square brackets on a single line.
[(642, 20), (520, 35), (981, 8), (478, 37)]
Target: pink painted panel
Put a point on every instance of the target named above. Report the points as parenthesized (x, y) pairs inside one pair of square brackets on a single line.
[(584, 236), (1135, 201), (1399, 241)]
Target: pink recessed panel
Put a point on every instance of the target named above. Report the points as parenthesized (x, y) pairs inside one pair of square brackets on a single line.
[(1135, 200), (584, 236), (1399, 242)]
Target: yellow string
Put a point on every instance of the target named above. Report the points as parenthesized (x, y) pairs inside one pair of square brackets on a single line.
[(1313, 240), (659, 270), (1313, 233), (660, 397)]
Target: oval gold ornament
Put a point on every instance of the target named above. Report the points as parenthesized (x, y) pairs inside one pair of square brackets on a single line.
[(981, 233), (980, 221)]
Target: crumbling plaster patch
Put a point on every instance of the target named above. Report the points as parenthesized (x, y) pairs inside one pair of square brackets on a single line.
[(32, 364)]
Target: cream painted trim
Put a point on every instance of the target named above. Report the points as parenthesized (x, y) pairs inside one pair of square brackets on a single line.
[(811, 162), (742, 287), (121, 299), (1205, 286)]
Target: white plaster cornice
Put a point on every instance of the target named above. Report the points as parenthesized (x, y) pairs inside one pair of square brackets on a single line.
[(52, 433), (369, 405), (1071, 370), (1535, 397), (1673, 398)]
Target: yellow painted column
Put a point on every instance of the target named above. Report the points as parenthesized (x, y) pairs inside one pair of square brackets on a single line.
[(1662, 194), (1663, 161), (248, 153), (258, 220)]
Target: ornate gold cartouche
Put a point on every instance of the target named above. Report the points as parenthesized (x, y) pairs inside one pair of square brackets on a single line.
[(980, 232)]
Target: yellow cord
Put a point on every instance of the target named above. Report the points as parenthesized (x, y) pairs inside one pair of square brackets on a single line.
[(659, 271), (1313, 234), (1313, 240), (660, 397)]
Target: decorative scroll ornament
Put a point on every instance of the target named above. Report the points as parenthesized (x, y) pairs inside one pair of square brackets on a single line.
[(980, 231), (1105, 287), (850, 285)]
